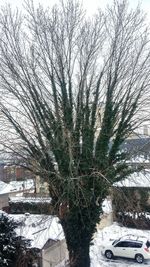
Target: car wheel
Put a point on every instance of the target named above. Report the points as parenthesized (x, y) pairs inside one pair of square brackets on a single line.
[(139, 258), (109, 255)]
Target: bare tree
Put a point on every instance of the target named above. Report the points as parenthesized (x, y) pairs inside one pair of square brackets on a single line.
[(71, 92)]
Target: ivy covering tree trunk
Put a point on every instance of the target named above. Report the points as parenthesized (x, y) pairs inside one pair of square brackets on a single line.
[(79, 226), (72, 90)]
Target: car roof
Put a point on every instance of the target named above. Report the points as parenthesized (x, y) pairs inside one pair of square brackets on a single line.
[(133, 238)]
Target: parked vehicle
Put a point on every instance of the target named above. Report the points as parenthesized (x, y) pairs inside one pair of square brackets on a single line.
[(133, 247)]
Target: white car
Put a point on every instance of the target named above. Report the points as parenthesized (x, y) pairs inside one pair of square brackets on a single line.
[(129, 246)]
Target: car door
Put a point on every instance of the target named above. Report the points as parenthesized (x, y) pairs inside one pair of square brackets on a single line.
[(120, 249), (133, 249)]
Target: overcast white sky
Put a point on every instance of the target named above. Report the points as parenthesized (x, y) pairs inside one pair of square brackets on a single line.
[(90, 5)]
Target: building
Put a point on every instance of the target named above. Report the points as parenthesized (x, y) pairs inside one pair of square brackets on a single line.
[(13, 189), (47, 238), (131, 200)]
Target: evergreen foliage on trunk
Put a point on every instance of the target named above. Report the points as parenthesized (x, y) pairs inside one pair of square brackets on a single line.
[(76, 86)]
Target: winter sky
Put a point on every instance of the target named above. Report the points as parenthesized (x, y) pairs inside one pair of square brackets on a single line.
[(90, 5)]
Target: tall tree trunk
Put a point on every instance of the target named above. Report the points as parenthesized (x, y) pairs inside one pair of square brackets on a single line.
[(80, 257), (79, 224)]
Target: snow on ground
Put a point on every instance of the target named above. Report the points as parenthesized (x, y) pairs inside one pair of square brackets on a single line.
[(113, 232)]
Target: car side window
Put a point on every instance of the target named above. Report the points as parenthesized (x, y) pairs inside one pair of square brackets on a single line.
[(134, 244), (129, 244), (122, 244), (137, 245)]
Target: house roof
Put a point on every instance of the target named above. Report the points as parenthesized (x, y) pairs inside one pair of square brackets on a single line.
[(16, 186), (20, 185), (137, 146), (39, 228), (5, 188), (30, 199), (136, 179)]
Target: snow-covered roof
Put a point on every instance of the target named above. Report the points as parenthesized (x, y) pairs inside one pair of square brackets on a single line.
[(30, 199), (5, 188), (20, 185), (137, 146), (138, 159), (16, 186), (136, 179), (39, 228)]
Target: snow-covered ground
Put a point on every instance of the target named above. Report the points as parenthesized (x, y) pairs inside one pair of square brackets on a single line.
[(113, 232), (103, 236)]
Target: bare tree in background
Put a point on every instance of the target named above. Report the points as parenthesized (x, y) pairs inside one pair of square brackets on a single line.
[(71, 92)]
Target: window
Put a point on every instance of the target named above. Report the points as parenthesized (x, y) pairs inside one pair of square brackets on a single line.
[(122, 244), (134, 244), (129, 244), (115, 241)]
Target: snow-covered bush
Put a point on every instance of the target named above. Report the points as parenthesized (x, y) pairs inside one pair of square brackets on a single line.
[(11, 245)]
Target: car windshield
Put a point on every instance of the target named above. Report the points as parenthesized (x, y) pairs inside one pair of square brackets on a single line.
[(115, 241)]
